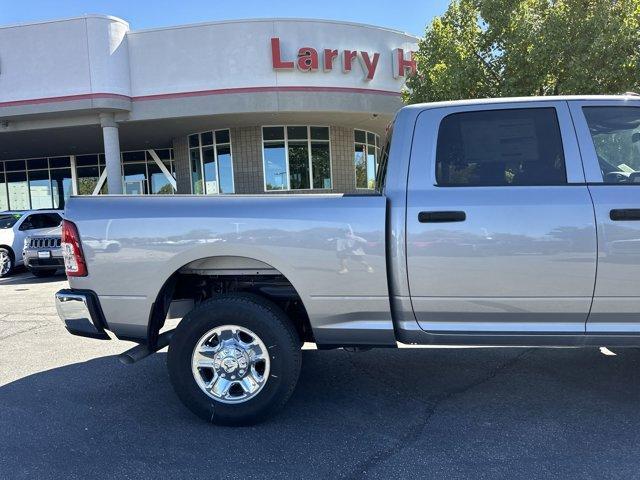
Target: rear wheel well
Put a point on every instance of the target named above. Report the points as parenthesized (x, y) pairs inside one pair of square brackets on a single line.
[(185, 290)]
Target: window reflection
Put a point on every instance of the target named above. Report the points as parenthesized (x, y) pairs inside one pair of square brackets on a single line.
[(211, 162), (275, 166), (40, 189), (18, 190), (296, 158), (366, 156), (60, 186)]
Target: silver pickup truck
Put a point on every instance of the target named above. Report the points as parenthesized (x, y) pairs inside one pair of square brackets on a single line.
[(497, 222)]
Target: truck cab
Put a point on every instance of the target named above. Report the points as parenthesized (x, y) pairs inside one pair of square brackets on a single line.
[(522, 218)]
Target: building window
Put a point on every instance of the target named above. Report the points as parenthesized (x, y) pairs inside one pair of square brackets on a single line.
[(211, 162), (366, 155), (89, 169), (47, 182), (4, 199), (141, 174), (296, 158), (35, 183)]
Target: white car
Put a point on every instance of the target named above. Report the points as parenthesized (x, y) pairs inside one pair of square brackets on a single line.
[(15, 227)]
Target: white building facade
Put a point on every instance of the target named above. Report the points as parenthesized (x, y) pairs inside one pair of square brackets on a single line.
[(89, 106)]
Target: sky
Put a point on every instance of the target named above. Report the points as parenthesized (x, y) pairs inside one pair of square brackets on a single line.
[(410, 16)]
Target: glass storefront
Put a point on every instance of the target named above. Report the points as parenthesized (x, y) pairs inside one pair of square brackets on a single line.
[(296, 158), (35, 183), (211, 162), (366, 155), (47, 182), (89, 168), (4, 200), (141, 174)]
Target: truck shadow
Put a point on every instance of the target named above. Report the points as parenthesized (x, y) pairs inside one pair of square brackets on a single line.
[(27, 278), (498, 411)]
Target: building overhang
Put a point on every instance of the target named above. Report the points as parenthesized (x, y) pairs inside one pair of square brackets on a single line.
[(82, 135), (96, 64)]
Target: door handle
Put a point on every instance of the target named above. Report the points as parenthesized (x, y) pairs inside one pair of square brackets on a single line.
[(622, 214), (442, 217)]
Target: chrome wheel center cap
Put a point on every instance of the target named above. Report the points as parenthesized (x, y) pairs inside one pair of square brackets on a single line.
[(231, 360)]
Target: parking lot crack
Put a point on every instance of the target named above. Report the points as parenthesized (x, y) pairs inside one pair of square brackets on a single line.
[(413, 434), (26, 330)]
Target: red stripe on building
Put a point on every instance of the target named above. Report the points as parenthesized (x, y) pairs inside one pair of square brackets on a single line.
[(221, 91)]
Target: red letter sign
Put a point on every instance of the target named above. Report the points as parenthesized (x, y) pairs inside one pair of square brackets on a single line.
[(347, 59), (369, 65), (276, 59), (329, 55), (400, 64), (308, 59)]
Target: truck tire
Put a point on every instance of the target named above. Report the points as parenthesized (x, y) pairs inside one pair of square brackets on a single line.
[(6, 262), (235, 359)]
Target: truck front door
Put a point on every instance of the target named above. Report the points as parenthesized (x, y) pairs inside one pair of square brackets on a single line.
[(500, 225)]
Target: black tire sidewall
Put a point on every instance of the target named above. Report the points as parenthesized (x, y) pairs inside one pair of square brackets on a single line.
[(264, 319), (13, 263)]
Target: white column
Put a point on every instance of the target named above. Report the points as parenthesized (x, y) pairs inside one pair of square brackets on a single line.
[(111, 152)]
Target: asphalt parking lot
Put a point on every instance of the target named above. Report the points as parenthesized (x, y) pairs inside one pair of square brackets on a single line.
[(69, 409)]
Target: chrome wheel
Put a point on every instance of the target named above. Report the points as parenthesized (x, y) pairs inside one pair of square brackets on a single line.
[(5, 263), (230, 364)]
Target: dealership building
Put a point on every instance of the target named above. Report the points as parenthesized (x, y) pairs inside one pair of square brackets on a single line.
[(89, 106)]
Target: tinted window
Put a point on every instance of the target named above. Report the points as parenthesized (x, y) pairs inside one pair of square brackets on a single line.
[(41, 220), (9, 220), (500, 147), (616, 137)]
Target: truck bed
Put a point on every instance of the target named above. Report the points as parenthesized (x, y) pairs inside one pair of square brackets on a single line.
[(330, 247)]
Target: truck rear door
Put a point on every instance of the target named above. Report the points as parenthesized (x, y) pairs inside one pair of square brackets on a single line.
[(609, 136), (500, 227)]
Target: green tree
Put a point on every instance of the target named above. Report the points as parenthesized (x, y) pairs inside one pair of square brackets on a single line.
[(493, 48)]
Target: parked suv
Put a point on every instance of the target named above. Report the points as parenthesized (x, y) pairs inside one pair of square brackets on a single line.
[(42, 254), (15, 227)]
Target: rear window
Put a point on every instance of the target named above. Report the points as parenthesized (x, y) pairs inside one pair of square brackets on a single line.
[(9, 220), (500, 148), (41, 220)]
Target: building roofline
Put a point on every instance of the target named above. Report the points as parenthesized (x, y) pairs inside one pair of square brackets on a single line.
[(270, 20), (59, 20), (213, 22)]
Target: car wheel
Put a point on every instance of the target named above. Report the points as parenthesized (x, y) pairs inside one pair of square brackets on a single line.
[(44, 273), (234, 359), (6, 262)]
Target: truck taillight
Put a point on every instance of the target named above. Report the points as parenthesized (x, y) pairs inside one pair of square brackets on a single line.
[(74, 263)]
